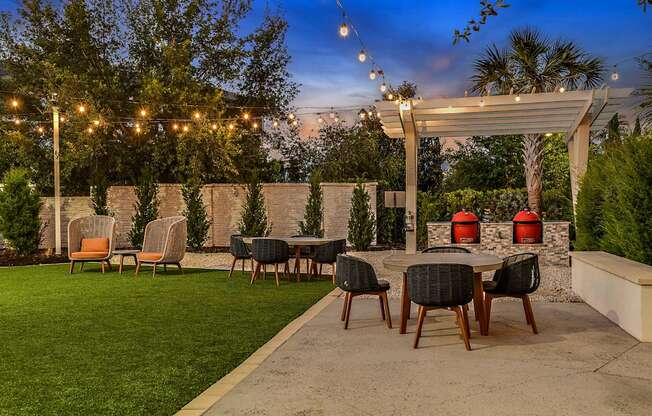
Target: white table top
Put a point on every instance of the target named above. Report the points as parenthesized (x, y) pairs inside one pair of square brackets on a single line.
[(295, 241), (480, 262)]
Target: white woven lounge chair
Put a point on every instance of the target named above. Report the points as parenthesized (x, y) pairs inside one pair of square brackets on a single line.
[(90, 239), (164, 243)]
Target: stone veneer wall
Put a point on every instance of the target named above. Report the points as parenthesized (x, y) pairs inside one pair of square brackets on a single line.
[(497, 238), (285, 205)]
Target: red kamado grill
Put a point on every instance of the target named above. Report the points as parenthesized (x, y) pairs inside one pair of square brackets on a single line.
[(528, 228), (465, 228)]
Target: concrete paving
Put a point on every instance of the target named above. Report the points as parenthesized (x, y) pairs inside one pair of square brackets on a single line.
[(579, 364)]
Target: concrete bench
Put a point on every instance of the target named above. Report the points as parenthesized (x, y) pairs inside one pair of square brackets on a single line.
[(618, 288)]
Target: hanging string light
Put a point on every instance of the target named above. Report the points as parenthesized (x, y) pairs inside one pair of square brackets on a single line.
[(295, 123), (383, 87), (197, 115), (214, 126), (231, 126), (254, 125), (186, 128), (245, 116), (40, 129), (372, 75), (320, 120), (344, 30), (275, 124), (143, 112), (390, 96), (175, 126), (517, 98), (17, 121), (362, 56), (89, 130), (291, 116), (82, 109), (14, 103), (562, 89)]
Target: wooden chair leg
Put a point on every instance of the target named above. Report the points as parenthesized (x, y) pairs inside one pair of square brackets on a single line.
[(232, 267), (254, 273), (180, 269), (154, 270), (137, 268), (382, 307), (344, 303), (165, 267), (526, 300), (243, 264), (81, 267), (348, 311), (487, 309), (278, 283), (463, 328), (264, 272), (422, 317), (72, 266), (108, 264), (286, 270), (102, 266), (465, 313), (320, 266), (525, 309), (333, 269), (388, 316)]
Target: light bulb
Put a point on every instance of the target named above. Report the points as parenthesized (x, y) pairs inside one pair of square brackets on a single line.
[(81, 108), (362, 56), (370, 114), (383, 87), (17, 122), (337, 119), (291, 116), (137, 129), (295, 123), (390, 96), (175, 126), (96, 122), (214, 126), (615, 76), (378, 114), (186, 128), (517, 98), (562, 89), (255, 125), (245, 116), (344, 30), (362, 115), (14, 103), (548, 134), (143, 112), (40, 129), (89, 130), (62, 119), (231, 126), (275, 123), (320, 120), (197, 115), (372, 74)]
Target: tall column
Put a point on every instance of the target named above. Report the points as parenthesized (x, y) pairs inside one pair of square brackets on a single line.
[(57, 181), (411, 154), (578, 157)]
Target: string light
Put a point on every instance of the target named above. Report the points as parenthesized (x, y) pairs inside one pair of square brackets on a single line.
[(295, 123), (372, 75), (548, 134), (81, 108), (62, 119), (40, 129), (231, 126), (344, 30), (291, 116), (255, 125), (320, 120), (14, 103), (362, 56), (89, 130), (562, 89), (186, 128), (138, 130), (337, 119), (96, 122), (383, 87), (197, 115), (175, 126), (517, 98), (214, 126), (275, 124), (370, 114), (143, 112), (362, 115), (390, 96), (245, 116), (17, 122), (615, 75)]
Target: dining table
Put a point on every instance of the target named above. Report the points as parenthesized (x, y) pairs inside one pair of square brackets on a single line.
[(297, 243), (480, 263)]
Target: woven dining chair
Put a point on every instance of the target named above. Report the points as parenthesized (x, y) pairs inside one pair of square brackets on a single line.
[(518, 277), (164, 242), (90, 239), (239, 251), (327, 254), (446, 249), (357, 277), (268, 251), (441, 286)]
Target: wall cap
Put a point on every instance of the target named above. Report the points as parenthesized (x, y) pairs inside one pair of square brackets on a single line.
[(633, 271)]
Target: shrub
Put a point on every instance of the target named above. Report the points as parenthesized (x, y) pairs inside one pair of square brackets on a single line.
[(313, 219), (195, 213), (253, 221), (99, 198), (19, 212), (361, 220), (146, 208)]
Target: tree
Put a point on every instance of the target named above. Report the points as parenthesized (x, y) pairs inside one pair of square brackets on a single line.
[(312, 223), (253, 221), (361, 220), (99, 197), (19, 212), (146, 208), (431, 175), (533, 62), (195, 213)]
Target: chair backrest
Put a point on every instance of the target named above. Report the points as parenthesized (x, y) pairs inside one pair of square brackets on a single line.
[(440, 284), (446, 249), (238, 248), (93, 226), (168, 236), (270, 250), (355, 275), (327, 253), (519, 274)]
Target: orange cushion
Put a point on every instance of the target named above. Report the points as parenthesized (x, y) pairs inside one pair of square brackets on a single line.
[(89, 255), (149, 256), (95, 244)]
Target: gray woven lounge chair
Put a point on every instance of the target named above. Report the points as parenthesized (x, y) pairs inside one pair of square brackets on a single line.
[(266, 251), (446, 249), (164, 243), (518, 278), (441, 286), (327, 254), (239, 251), (357, 277), (90, 239)]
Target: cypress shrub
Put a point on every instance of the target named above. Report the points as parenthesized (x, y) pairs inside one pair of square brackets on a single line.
[(361, 220), (99, 197), (253, 221), (590, 199), (195, 213), (146, 208), (313, 218), (19, 212)]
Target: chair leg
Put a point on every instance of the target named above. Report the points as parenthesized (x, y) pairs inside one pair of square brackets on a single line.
[(102, 266), (333, 268), (180, 269), (165, 267), (526, 300), (243, 264), (344, 303), (348, 311), (320, 266), (382, 307), (81, 268), (137, 268), (525, 309), (108, 264), (388, 316), (278, 283), (286, 270), (232, 267), (254, 273), (465, 313), (422, 317), (264, 272), (72, 266), (154, 270), (487, 309), (465, 335)]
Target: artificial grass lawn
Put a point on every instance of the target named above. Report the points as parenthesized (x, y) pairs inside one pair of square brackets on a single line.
[(93, 344)]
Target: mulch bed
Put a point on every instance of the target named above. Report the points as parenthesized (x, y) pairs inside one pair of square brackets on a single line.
[(9, 258)]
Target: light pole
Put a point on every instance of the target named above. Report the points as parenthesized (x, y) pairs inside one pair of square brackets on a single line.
[(57, 179)]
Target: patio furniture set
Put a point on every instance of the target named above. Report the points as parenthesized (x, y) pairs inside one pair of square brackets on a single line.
[(91, 239), (443, 278)]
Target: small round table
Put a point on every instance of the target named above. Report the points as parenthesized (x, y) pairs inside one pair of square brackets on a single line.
[(480, 262), (123, 254)]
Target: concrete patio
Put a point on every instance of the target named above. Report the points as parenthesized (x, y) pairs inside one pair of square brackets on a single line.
[(580, 363)]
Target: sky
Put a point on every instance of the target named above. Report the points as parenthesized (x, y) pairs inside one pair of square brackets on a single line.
[(412, 40)]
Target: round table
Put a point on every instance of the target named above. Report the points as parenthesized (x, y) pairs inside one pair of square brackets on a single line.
[(123, 254), (480, 262), (297, 243)]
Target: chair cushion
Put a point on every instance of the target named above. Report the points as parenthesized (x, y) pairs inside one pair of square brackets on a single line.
[(95, 244), (143, 256), (89, 255), (383, 284)]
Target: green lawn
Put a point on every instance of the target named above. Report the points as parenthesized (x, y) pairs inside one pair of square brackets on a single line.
[(93, 344)]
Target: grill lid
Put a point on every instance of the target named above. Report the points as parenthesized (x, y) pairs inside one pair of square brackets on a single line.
[(465, 216), (526, 216)]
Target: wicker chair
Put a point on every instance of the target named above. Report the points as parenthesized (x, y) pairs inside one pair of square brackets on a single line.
[(305, 253), (90, 239), (357, 277), (518, 278), (270, 251), (446, 249), (239, 251), (164, 243), (442, 286), (327, 254)]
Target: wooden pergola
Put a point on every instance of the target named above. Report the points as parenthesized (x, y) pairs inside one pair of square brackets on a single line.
[(575, 113)]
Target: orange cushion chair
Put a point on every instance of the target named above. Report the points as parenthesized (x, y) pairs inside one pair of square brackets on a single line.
[(90, 239)]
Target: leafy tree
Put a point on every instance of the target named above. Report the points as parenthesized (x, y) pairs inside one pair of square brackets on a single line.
[(146, 208), (312, 223), (361, 220), (19, 212), (195, 213), (253, 221), (533, 62)]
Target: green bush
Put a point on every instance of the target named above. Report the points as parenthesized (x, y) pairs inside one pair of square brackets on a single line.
[(19, 212), (195, 213), (253, 222), (312, 223), (361, 220), (99, 197), (146, 208)]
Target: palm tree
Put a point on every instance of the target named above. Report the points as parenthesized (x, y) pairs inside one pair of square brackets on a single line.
[(533, 62)]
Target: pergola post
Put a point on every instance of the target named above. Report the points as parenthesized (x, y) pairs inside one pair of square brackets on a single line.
[(578, 156), (411, 154)]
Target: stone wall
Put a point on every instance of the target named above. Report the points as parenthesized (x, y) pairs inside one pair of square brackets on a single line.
[(497, 238)]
